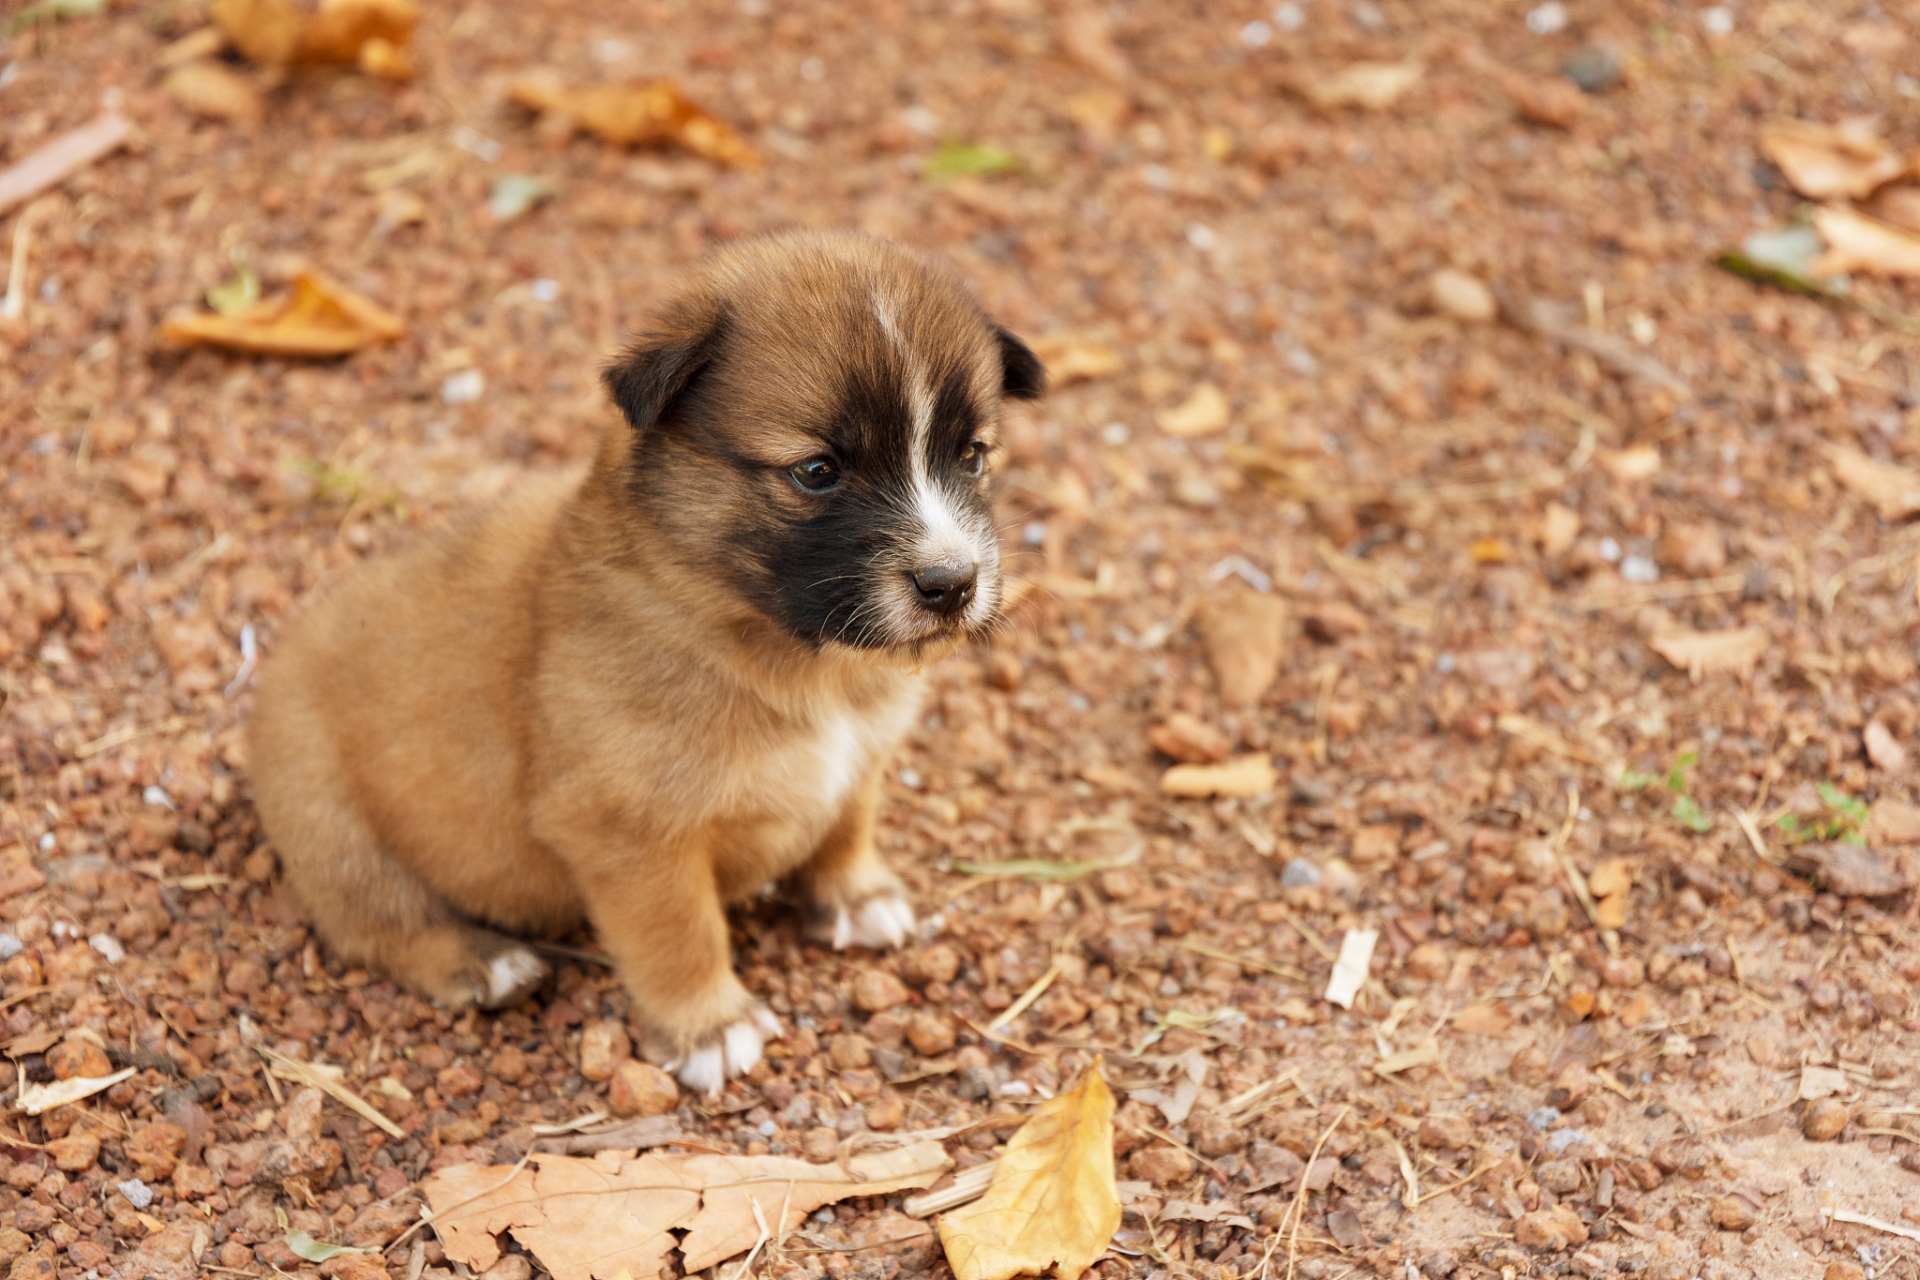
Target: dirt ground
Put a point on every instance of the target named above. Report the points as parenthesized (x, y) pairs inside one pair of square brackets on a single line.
[(1483, 537)]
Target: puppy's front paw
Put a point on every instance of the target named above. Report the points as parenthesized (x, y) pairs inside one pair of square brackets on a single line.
[(731, 1052), (512, 975), (878, 923)]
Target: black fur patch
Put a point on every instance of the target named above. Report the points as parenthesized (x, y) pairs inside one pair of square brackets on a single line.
[(1023, 376)]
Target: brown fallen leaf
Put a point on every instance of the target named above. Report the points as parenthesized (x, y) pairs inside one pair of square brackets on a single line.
[(71, 151), (210, 88), (1894, 823), (1856, 242), (1849, 870), (599, 1217), (1372, 85), (1242, 629), (1700, 652), (1204, 411), (634, 115), (1053, 1205), (1071, 358), (1611, 876), (1898, 206), (1485, 1019), (1893, 489), (375, 35), (1825, 162), (319, 318), (1883, 748), (1610, 912), (1246, 776)]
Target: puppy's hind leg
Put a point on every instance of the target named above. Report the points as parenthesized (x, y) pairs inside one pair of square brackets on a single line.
[(372, 910), (857, 900)]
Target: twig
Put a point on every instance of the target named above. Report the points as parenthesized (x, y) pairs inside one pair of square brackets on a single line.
[(1298, 1208), (761, 1222), (1411, 1199), (1027, 997), (1246, 962), (1862, 1220), (308, 1073), (1575, 879), (1458, 1183), (1751, 829), (121, 736)]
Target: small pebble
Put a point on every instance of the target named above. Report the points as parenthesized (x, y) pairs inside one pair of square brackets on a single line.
[(1299, 873), (1592, 67), (1824, 1120), (108, 946), (1543, 1118), (138, 1193)]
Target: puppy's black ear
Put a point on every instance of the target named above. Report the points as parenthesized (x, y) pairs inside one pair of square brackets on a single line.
[(1022, 376), (649, 377)]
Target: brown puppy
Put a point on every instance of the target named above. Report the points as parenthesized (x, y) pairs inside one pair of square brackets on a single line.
[(634, 694)]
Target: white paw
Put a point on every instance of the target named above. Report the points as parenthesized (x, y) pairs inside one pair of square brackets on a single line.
[(705, 1070), (512, 974), (876, 923)]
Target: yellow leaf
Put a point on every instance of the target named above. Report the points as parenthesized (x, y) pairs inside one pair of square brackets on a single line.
[(1053, 1204), (319, 318), (373, 33), (650, 114)]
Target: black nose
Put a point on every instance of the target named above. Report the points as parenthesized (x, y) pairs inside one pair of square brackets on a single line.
[(945, 589)]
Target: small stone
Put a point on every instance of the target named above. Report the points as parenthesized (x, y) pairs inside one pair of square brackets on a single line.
[(930, 1034), (937, 963), (1375, 842), (1570, 1086), (641, 1089), (876, 989), (859, 1084), (1731, 1213), (1190, 740), (1550, 1230), (86, 1255), (603, 1047), (71, 1059), (819, 1145), (1697, 549), (1561, 1177), (1844, 1270), (1593, 67), (379, 1225), (1623, 971), (849, 1052), (1824, 1120), (40, 1264), (1529, 1065), (461, 1080), (1453, 1133), (1543, 1117), (1763, 1049), (1461, 296), (1162, 1165), (389, 1183), (1883, 748), (138, 1193), (1428, 962), (367, 1266), (74, 1153), (974, 1084), (1544, 101), (885, 1112), (1300, 873)]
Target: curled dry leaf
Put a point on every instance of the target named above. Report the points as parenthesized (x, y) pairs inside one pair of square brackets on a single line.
[(319, 318), (608, 1215), (1894, 490), (375, 35), (1826, 162), (1856, 242), (1701, 652), (1247, 776), (1053, 1205), (637, 115), (1372, 85)]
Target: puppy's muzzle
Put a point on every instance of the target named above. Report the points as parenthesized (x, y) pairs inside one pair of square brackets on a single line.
[(945, 588)]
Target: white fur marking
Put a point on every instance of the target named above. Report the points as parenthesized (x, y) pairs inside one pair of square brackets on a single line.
[(511, 970), (739, 1047), (877, 924), (841, 756)]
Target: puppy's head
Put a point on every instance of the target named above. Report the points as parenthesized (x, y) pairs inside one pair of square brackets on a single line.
[(813, 423)]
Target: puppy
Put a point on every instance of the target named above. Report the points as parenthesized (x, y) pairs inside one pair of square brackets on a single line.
[(634, 693)]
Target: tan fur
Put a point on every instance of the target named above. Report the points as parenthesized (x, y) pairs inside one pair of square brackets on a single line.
[(543, 714)]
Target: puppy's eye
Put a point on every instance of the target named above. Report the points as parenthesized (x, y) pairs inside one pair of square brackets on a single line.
[(815, 475), (973, 459)]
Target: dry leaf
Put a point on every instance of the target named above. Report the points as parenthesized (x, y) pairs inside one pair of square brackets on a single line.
[(1894, 490), (1700, 652), (1350, 967), (37, 1098), (1610, 912), (631, 115), (372, 34), (319, 318), (1373, 85), (1053, 1205), (1894, 823), (1883, 748), (1848, 870), (1858, 243), (1424, 1055), (1898, 206), (1611, 876), (1204, 411), (1247, 776), (1243, 631), (1822, 1082), (599, 1217), (1070, 358), (1484, 1019), (1828, 161), (209, 88)]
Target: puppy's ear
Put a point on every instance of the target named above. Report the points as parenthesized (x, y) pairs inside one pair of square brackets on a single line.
[(1022, 376), (650, 376)]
